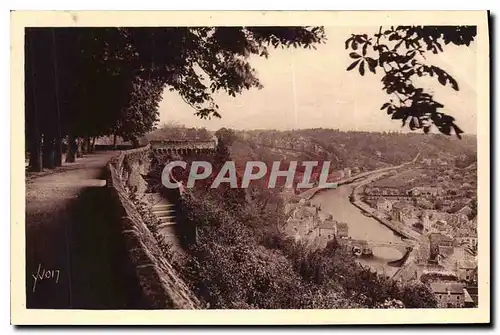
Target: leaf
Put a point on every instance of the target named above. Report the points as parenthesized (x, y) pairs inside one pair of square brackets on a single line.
[(394, 37), (442, 79), (453, 83), (362, 68), (364, 48), (353, 65), (354, 55), (384, 106), (457, 130), (372, 64), (399, 115), (439, 46), (347, 42)]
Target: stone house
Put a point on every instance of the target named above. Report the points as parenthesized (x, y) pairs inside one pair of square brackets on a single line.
[(331, 228), (404, 212), (449, 294), (437, 240), (467, 270), (383, 205), (431, 217), (467, 237), (342, 229), (425, 191)]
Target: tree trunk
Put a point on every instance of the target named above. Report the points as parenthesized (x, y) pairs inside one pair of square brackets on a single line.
[(35, 164), (58, 151), (79, 151), (135, 142), (71, 153), (86, 145), (48, 152), (93, 144), (114, 141)]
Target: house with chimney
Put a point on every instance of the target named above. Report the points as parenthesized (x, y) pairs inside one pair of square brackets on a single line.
[(449, 294)]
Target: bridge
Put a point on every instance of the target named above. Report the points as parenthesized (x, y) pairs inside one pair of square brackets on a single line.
[(365, 247), (187, 147)]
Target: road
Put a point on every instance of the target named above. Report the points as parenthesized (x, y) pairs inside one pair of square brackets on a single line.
[(72, 255)]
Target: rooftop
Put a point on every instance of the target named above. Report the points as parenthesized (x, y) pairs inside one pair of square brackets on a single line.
[(445, 287)]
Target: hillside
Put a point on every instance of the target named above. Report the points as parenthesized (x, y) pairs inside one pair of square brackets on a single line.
[(243, 259), (350, 149)]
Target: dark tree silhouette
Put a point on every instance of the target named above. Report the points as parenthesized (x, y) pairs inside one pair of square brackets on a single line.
[(400, 53), (87, 82)]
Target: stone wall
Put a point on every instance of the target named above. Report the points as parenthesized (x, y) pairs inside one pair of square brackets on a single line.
[(160, 285)]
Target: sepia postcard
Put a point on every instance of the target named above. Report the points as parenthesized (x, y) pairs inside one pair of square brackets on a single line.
[(250, 168)]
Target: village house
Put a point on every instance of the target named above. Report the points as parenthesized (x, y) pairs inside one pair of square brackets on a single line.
[(427, 161), (440, 226), (426, 191), (437, 240), (457, 219), (404, 213), (431, 217), (441, 162), (466, 210), (467, 270), (444, 257), (465, 265), (302, 219), (467, 237), (388, 192), (342, 229), (331, 228), (383, 205), (327, 228), (449, 294)]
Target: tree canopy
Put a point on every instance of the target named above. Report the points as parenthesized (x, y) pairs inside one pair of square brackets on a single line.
[(93, 81), (85, 82), (399, 52)]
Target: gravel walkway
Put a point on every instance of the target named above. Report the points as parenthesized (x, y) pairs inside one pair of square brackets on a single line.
[(72, 249)]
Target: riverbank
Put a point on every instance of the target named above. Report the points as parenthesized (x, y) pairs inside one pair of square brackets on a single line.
[(396, 226), (307, 195)]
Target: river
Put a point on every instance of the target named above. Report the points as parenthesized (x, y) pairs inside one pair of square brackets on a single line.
[(336, 202)]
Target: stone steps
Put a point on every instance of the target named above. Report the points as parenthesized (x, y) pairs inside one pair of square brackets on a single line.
[(167, 219), (166, 212), (167, 227), (163, 207)]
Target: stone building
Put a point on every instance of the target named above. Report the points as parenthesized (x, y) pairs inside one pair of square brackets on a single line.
[(404, 213), (425, 191), (449, 294), (383, 205)]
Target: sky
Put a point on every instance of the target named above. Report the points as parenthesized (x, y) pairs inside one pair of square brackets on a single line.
[(305, 88)]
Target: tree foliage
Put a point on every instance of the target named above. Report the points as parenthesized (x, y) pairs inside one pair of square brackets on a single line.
[(101, 81), (399, 53)]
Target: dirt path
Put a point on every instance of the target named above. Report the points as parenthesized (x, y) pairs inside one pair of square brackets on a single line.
[(70, 243)]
